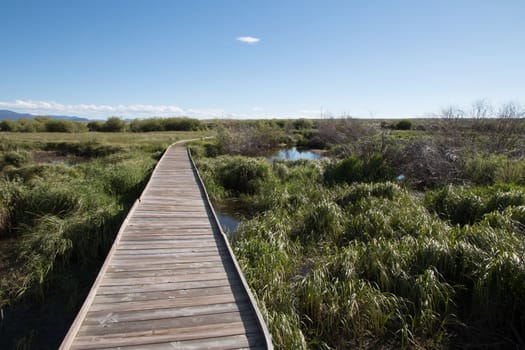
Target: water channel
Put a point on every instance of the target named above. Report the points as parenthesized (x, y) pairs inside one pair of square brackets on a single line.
[(229, 213)]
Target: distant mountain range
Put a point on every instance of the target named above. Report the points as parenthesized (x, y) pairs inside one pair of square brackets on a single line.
[(10, 115)]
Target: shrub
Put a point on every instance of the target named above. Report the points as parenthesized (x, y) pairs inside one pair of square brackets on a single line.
[(16, 158), (353, 169), (324, 221), (7, 125), (55, 125), (464, 205), (358, 191), (181, 124), (424, 162), (487, 169), (302, 123), (249, 139), (243, 175), (460, 205), (28, 125), (95, 126), (166, 124), (311, 139), (480, 169), (348, 170), (114, 124), (146, 125), (89, 149), (403, 124), (377, 169)]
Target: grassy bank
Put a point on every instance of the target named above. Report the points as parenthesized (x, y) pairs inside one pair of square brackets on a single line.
[(62, 199), (340, 254)]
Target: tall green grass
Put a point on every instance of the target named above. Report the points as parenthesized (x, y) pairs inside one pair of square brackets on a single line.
[(58, 223), (466, 205), (341, 264)]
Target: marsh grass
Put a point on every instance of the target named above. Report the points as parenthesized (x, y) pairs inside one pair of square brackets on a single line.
[(467, 205), (32, 140), (59, 222), (340, 264)]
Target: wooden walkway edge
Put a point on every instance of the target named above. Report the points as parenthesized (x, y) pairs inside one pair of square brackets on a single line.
[(170, 280)]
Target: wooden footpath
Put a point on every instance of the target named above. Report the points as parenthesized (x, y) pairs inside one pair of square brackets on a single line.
[(170, 280)]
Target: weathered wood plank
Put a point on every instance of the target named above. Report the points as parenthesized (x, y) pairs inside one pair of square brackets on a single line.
[(165, 272), (155, 244), (165, 336), (165, 295), (248, 341), (207, 300), (173, 266), (170, 279), (165, 323), (175, 278), (167, 250), (103, 290), (162, 261)]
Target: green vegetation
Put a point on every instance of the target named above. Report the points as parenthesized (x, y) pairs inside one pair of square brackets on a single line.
[(165, 124), (42, 124), (404, 124), (112, 124), (353, 169), (339, 256), (251, 139), (61, 203), (39, 140), (403, 237)]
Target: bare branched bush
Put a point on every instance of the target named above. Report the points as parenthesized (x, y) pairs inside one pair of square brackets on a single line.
[(480, 111), (249, 139), (344, 132), (426, 162), (494, 130), (452, 117)]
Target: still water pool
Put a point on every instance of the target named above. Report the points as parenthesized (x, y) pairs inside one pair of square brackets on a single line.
[(294, 154)]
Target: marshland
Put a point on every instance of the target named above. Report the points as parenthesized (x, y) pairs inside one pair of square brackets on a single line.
[(404, 234)]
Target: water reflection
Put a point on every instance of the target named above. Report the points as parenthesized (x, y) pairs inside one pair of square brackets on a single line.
[(294, 154), (228, 215), (228, 222)]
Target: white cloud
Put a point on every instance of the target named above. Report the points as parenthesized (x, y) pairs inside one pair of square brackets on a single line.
[(92, 110), (206, 113), (248, 39), (102, 111)]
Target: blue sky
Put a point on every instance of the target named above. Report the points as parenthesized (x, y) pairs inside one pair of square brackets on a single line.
[(139, 58)]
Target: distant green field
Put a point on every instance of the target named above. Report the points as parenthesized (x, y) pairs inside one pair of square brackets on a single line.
[(119, 138)]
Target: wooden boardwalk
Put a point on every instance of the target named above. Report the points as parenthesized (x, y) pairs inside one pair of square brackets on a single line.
[(170, 280)]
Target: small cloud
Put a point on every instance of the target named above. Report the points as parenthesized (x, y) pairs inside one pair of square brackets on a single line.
[(248, 39)]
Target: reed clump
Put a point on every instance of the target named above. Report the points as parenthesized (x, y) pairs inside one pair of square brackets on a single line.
[(339, 262), (57, 223)]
